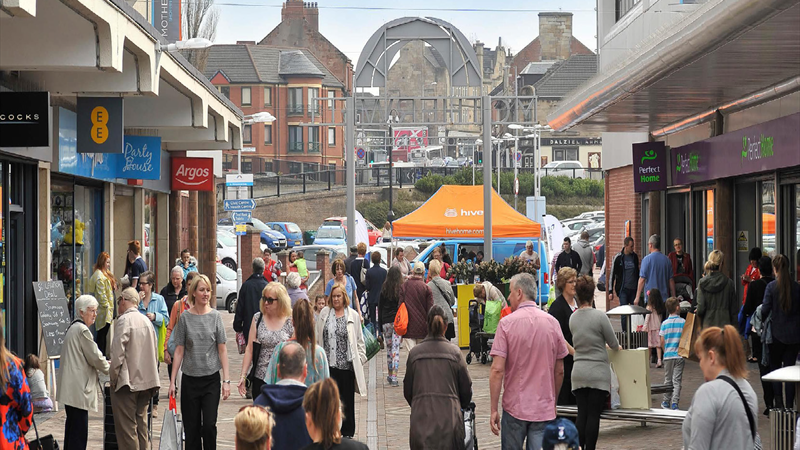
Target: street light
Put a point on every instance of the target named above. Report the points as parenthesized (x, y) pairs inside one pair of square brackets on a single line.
[(392, 119), (259, 117), (191, 44)]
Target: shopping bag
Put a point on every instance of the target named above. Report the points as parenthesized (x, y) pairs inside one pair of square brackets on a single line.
[(401, 320), (42, 443), (172, 429), (370, 341), (637, 322), (615, 400), (551, 296), (241, 342), (491, 315), (162, 337), (691, 329)]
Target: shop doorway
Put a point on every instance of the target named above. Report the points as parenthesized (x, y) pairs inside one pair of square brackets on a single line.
[(746, 229), (790, 224), (677, 220), (703, 228)]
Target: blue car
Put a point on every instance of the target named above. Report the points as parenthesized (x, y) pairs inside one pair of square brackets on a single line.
[(330, 235), (293, 233), (269, 237)]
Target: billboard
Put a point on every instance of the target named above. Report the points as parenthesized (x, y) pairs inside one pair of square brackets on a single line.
[(406, 139)]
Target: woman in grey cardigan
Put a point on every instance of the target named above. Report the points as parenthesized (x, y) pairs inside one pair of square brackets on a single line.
[(591, 375), (442, 296)]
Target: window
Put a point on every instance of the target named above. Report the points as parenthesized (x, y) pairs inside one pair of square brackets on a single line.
[(331, 136), (768, 244), (295, 139), (247, 134), (295, 101), (331, 94), (565, 154), (313, 139), (246, 100), (226, 91), (268, 133), (312, 104), (267, 95)]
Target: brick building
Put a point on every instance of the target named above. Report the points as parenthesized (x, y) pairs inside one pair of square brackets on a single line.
[(282, 82), (555, 42), (299, 28)]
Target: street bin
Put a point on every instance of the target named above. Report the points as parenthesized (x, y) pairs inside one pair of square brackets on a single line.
[(308, 237)]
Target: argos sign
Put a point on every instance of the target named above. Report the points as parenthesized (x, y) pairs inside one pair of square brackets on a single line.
[(192, 174)]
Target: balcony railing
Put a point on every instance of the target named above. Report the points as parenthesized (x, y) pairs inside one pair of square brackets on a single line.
[(295, 110), (313, 147), (296, 146)]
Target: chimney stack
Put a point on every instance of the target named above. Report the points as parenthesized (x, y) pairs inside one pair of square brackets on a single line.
[(555, 35)]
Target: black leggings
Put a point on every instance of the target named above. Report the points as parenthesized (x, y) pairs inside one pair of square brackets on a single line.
[(346, 380), (199, 407), (591, 402)]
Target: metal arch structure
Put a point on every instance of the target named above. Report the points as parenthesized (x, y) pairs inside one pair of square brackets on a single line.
[(462, 62)]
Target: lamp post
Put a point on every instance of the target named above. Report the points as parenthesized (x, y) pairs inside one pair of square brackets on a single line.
[(393, 118), (191, 44)]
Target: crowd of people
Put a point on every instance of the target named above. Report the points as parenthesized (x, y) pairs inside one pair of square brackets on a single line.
[(303, 363)]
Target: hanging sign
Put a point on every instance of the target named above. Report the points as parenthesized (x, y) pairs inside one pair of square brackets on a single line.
[(192, 174), (100, 122), (24, 119), (649, 167)]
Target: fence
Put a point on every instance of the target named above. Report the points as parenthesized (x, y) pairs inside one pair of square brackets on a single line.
[(333, 179)]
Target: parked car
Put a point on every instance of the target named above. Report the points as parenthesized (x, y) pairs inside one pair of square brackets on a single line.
[(373, 232), (310, 254), (573, 226), (226, 288), (330, 235), (597, 216), (269, 237), (595, 232), (226, 249), (572, 169), (293, 233)]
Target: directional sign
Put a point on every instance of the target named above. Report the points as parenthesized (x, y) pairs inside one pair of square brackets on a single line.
[(241, 230), (239, 179), (240, 217), (244, 204)]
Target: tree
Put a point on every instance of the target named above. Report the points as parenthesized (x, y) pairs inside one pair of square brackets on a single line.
[(201, 19)]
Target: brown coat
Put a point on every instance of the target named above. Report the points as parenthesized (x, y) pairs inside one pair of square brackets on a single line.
[(442, 388), (134, 362), (419, 300)]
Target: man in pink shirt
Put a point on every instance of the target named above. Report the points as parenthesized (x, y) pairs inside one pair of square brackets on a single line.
[(528, 352)]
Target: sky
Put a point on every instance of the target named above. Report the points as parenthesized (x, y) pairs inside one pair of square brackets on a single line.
[(348, 24)]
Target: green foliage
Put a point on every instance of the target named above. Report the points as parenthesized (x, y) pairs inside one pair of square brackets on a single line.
[(376, 212)]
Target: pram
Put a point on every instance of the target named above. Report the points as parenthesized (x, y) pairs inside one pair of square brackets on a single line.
[(470, 439), (477, 346)]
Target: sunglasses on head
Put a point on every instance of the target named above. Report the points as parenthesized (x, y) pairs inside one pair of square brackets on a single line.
[(269, 300)]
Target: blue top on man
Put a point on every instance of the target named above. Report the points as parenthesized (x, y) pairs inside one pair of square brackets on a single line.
[(655, 272)]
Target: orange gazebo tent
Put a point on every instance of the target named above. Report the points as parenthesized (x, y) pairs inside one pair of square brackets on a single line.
[(457, 212)]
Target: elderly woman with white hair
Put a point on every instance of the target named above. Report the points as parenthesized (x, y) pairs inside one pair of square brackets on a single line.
[(77, 379), (296, 293), (174, 290)]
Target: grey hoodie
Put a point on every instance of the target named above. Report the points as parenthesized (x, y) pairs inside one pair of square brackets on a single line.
[(717, 304), (584, 250)]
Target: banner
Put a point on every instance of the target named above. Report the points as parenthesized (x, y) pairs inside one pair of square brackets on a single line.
[(167, 19), (649, 167), (100, 122), (555, 233), (192, 174)]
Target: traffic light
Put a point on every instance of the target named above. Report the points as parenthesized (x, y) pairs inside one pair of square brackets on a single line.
[(479, 156)]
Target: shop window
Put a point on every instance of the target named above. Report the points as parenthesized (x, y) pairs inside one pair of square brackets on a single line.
[(150, 230), (709, 208), (246, 97), (796, 220), (768, 241), (565, 154)]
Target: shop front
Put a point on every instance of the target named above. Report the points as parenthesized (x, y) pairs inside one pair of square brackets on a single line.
[(737, 191)]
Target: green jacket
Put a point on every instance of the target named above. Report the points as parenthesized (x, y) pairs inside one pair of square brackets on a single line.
[(717, 304)]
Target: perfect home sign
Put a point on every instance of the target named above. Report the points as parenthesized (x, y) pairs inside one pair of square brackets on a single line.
[(764, 147), (649, 167)]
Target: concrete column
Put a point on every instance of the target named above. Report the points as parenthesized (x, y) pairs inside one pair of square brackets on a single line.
[(45, 251), (251, 249), (324, 266), (138, 216), (207, 238), (108, 220), (174, 225), (164, 258), (724, 234), (655, 219), (283, 257), (193, 244)]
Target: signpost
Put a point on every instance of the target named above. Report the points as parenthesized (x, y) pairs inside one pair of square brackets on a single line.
[(239, 179), (241, 217), (242, 204), (240, 207)]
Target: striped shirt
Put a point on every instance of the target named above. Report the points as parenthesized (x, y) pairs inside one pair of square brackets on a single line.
[(671, 329), (200, 337)]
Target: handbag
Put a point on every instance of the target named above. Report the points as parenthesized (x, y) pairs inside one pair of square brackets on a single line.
[(172, 429), (162, 337), (756, 437), (42, 443), (241, 342), (401, 320), (370, 341), (256, 351)]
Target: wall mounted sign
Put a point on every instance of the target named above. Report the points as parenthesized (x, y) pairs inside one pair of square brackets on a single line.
[(192, 174), (100, 122), (24, 119), (167, 19), (649, 167), (141, 159), (767, 146), (553, 141)]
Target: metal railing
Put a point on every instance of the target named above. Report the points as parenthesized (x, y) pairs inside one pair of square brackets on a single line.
[(314, 147), (295, 110), (277, 185), (295, 146)]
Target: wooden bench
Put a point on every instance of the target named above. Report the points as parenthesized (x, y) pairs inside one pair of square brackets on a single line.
[(653, 415)]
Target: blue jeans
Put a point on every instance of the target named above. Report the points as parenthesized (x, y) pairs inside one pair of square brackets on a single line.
[(626, 297), (514, 432)]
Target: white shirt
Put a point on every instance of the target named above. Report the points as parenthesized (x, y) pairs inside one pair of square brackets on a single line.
[(534, 257)]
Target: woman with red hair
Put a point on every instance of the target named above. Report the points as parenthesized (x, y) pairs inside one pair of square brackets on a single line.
[(102, 285)]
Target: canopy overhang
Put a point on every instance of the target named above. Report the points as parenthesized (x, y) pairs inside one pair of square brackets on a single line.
[(457, 212), (722, 53)]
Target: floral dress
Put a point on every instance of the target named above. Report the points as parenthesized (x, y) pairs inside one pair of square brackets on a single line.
[(15, 408), (269, 340)]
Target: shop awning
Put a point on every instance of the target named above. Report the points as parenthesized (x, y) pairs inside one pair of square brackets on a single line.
[(457, 212), (721, 53)]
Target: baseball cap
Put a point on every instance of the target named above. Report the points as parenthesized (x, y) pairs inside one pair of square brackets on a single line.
[(560, 431), (419, 267)]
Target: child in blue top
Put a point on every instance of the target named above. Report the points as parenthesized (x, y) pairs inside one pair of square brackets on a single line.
[(671, 330)]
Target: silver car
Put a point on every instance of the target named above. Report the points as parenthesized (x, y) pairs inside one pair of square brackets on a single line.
[(226, 288)]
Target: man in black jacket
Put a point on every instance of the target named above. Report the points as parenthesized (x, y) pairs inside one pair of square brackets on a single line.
[(624, 276), (248, 302), (349, 260), (358, 268), (373, 281), (568, 257)]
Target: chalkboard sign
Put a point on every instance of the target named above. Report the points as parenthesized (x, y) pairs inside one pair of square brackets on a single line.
[(53, 314)]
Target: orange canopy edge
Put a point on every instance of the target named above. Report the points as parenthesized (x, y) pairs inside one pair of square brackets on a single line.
[(457, 212)]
